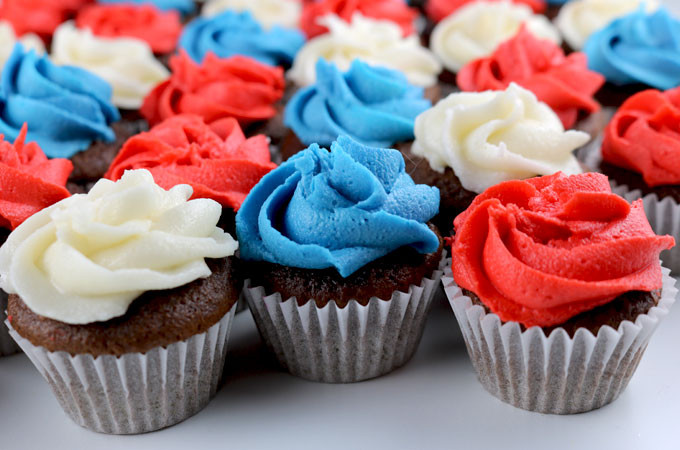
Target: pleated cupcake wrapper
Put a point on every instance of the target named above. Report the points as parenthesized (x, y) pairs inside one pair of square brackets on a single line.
[(554, 374), (343, 345), (136, 392), (7, 344)]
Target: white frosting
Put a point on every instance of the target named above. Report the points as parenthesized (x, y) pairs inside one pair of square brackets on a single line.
[(8, 39), (86, 258), (376, 42), (285, 13), (494, 136), (127, 64), (578, 19), (475, 30)]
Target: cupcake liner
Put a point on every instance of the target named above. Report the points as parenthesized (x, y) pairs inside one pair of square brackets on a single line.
[(7, 344), (343, 345), (136, 392), (554, 374)]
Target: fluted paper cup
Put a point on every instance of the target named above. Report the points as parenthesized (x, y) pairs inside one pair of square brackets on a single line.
[(7, 344)]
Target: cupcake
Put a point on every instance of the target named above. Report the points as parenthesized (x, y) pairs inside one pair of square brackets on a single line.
[(30, 183), (343, 263), (269, 13), (557, 287), (374, 106), (8, 39), (123, 300), (469, 141)]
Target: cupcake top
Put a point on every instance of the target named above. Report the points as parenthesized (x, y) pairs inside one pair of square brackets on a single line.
[(640, 47), (644, 136), (544, 250), (579, 19), (285, 13), (563, 82), (86, 258), (396, 11), (8, 39), (29, 181), (341, 209), (220, 164), (183, 6), (41, 17), (238, 33), (159, 29), (475, 30), (494, 136), (376, 42), (438, 10), (66, 108), (372, 105), (216, 89)]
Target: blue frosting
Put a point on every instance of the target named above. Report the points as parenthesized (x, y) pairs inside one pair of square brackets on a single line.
[(638, 48), (375, 106), (238, 33), (183, 6), (342, 209), (66, 108)]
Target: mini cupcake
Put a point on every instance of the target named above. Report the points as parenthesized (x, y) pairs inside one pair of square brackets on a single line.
[(557, 288), (269, 13), (8, 39), (123, 300), (30, 183), (344, 265)]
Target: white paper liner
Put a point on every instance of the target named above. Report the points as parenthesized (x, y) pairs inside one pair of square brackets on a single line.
[(556, 374), (135, 393), (7, 344), (343, 345)]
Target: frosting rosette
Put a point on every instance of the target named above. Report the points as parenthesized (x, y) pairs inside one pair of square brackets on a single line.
[(216, 89), (86, 258), (29, 181), (640, 47), (340, 209), (183, 6), (438, 10), (233, 33), (127, 64), (396, 11), (494, 136), (563, 82), (218, 164), (159, 29), (8, 39), (66, 108), (285, 13), (41, 17), (544, 250), (475, 30), (644, 136), (376, 42), (372, 105)]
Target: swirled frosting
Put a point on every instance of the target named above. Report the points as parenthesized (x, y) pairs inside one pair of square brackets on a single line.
[(564, 83), (127, 64), (219, 164), (376, 42), (638, 48), (644, 136), (233, 33), (86, 258), (475, 30), (41, 17), (285, 13), (29, 181), (159, 29), (217, 89), (8, 39), (494, 136), (396, 11), (341, 209), (579, 19), (543, 250), (183, 6), (438, 10), (372, 105), (66, 108)]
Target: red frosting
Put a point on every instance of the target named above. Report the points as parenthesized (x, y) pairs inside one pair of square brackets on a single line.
[(218, 88), (29, 181), (439, 9), (543, 250), (218, 161), (159, 29), (563, 82), (396, 11), (38, 16), (644, 136)]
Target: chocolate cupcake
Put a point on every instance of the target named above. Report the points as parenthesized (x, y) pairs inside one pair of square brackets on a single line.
[(339, 243), (126, 280), (557, 286)]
